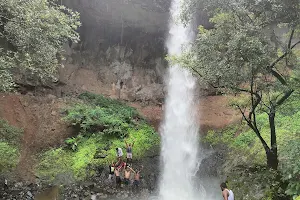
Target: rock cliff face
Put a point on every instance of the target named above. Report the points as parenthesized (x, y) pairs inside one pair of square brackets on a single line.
[(121, 53)]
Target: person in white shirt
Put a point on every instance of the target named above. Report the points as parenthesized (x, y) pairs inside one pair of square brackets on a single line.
[(119, 152), (119, 155), (227, 194)]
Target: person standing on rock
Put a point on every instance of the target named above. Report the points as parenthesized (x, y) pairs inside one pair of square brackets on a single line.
[(119, 153), (111, 170), (127, 173), (227, 194), (118, 178), (119, 156), (129, 151), (137, 176), (120, 164)]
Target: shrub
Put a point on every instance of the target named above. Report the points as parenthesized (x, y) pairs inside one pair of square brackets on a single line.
[(54, 162), (290, 166), (10, 134), (9, 156), (9, 146), (244, 149), (102, 115), (104, 124), (253, 183), (114, 106)]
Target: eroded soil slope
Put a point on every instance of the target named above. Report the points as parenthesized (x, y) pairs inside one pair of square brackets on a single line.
[(40, 119)]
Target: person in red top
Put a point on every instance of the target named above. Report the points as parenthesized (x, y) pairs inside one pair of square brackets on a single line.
[(121, 165)]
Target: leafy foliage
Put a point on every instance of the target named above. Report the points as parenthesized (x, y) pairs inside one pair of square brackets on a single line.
[(53, 163), (104, 115), (93, 152), (9, 146), (117, 107), (72, 143), (104, 124), (9, 156), (10, 134), (256, 183), (290, 166), (244, 149), (32, 34), (243, 54)]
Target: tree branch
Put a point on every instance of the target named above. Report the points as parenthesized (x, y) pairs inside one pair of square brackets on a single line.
[(285, 97), (243, 114), (194, 70), (278, 76), (256, 131), (291, 38), (200, 75), (283, 56)]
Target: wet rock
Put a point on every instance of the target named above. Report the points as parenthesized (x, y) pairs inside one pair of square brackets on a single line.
[(210, 165), (51, 96), (29, 195), (74, 196), (18, 185), (102, 196), (89, 185), (86, 194), (97, 189)]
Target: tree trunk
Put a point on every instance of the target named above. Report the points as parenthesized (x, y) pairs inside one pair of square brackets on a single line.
[(272, 155), (272, 160)]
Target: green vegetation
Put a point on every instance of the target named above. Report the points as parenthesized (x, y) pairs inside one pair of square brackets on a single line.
[(103, 125), (245, 156), (9, 146), (32, 34), (102, 115), (242, 54)]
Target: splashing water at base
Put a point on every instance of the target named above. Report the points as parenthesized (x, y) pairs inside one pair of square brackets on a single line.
[(180, 128)]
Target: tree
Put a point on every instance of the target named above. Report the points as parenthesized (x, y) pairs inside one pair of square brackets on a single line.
[(32, 34), (243, 54)]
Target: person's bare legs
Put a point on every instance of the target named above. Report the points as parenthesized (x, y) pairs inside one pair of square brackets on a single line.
[(118, 178)]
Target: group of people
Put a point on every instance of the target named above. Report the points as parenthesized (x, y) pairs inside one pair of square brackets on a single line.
[(121, 166), (115, 169)]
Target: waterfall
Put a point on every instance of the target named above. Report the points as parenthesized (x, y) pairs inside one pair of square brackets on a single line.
[(179, 131)]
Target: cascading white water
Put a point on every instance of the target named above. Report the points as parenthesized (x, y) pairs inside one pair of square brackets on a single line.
[(180, 128)]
